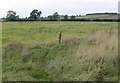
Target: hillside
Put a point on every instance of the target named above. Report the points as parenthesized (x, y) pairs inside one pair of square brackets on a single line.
[(100, 17)]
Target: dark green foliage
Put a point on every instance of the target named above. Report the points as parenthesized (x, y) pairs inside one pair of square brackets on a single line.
[(72, 17), (55, 16), (66, 17), (11, 16), (35, 15)]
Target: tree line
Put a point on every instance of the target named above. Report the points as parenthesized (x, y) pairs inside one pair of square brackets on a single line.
[(35, 15)]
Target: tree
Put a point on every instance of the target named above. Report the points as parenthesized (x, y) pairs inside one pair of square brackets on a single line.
[(39, 15), (11, 16), (72, 17), (56, 16), (65, 17), (50, 17), (35, 15)]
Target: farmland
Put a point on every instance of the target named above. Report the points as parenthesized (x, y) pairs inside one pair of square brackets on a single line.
[(88, 51)]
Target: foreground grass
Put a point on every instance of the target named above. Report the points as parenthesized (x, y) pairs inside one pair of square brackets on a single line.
[(88, 51)]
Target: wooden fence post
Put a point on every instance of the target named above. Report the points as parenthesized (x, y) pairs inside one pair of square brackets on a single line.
[(60, 35)]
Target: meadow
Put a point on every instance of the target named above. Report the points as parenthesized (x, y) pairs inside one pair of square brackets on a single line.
[(88, 51)]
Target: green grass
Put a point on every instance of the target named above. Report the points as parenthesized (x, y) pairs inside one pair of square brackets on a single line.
[(31, 51), (98, 17)]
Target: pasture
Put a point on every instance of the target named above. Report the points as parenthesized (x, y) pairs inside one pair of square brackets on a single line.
[(88, 51)]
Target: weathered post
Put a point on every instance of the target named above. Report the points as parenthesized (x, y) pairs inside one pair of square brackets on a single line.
[(60, 35)]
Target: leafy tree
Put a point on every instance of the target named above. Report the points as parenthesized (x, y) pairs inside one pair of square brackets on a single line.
[(39, 15), (72, 17), (11, 16), (50, 17), (55, 16), (35, 15), (65, 17)]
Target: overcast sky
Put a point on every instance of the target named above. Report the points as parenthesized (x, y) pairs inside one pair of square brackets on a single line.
[(48, 7)]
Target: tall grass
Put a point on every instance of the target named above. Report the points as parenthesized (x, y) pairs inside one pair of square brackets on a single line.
[(87, 52)]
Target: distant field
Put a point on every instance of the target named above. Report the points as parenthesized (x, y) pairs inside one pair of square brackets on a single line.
[(88, 51), (99, 17)]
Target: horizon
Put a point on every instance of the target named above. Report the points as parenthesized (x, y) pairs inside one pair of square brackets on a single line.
[(71, 7)]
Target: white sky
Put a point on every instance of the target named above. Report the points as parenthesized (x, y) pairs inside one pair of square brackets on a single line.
[(48, 7)]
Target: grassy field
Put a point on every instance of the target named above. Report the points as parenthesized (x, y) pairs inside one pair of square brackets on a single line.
[(100, 17), (88, 51)]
